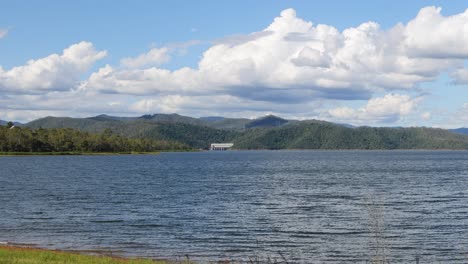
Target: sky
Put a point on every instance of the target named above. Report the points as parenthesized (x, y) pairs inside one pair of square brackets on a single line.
[(375, 63)]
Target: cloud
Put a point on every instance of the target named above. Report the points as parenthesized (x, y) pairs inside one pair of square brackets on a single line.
[(308, 62), (452, 119), (291, 67), (154, 57), (432, 35), (81, 103), (225, 105), (56, 72), (234, 40), (460, 76), (149, 81), (387, 109), (312, 58), (426, 116), (462, 114), (3, 32)]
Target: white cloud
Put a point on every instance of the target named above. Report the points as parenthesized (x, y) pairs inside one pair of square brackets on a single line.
[(292, 67), (293, 56), (434, 36), (387, 109), (3, 32), (54, 72), (214, 104), (312, 58), (426, 116), (143, 82), (154, 57), (460, 76)]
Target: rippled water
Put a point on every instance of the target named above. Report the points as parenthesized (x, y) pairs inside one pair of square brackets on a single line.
[(308, 206)]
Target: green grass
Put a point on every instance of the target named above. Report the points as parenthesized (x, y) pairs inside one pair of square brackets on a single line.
[(18, 255)]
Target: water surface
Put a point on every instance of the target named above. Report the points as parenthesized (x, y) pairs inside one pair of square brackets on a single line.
[(308, 206)]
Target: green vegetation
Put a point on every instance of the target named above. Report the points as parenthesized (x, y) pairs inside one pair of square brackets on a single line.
[(23, 255), (77, 153), (269, 132), (267, 121), (17, 255), (324, 135), (199, 137), (62, 141), (147, 127)]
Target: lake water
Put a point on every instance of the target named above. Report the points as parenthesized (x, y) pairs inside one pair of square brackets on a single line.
[(308, 206)]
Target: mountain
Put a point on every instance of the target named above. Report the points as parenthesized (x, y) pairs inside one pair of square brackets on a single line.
[(461, 130), (211, 118), (346, 125), (324, 135), (237, 124), (213, 122), (111, 118), (162, 127), (86, 124), (4, 123), (199, 137), (267, 121), (269, 132), (173, 118)]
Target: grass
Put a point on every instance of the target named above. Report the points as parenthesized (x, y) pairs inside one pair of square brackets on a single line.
[(20, 255), (30, 255)]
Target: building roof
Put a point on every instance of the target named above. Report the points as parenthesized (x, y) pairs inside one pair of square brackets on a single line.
[(220, 145)]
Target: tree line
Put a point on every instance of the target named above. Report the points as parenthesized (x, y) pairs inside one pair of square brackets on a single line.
[(331, 136), (21, 139)]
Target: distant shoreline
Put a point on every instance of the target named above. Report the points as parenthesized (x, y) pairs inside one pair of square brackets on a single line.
[(75, 153), (6, 154)]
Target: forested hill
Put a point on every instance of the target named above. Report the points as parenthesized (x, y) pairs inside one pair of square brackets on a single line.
[(322, 135), (269, 132), (195, 136), (17, 139)]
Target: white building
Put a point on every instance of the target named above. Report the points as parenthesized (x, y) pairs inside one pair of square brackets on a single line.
[(221, 146)]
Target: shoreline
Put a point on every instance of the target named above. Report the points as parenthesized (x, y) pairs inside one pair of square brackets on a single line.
[(66, 153), (26, 253), (71, 153)]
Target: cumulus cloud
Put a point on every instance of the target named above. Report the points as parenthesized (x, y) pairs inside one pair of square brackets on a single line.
[(3, 32), (223, 105), (386, 109), (76, 103), (154, 57), (240, 39), (293, 56), (143, 81), (432, 35), (312, 58), (54, 72), (291, 67)]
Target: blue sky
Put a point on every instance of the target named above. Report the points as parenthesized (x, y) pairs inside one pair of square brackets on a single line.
[(247, 58)]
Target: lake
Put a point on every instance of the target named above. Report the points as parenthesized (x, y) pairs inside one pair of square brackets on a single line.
[(305, 206)]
